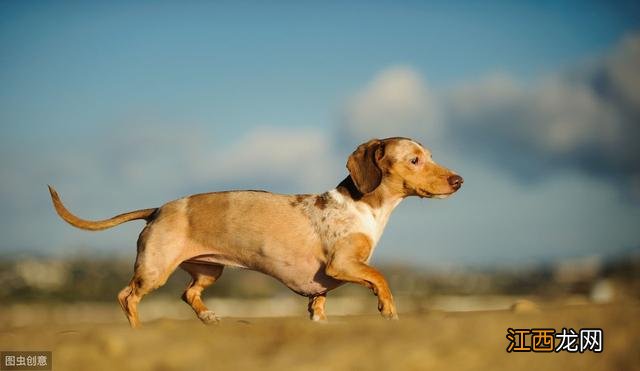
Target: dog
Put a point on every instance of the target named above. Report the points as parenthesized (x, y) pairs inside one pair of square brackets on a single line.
[(312, 243)]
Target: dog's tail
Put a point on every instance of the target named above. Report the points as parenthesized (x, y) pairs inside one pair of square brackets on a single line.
[(97, 225)]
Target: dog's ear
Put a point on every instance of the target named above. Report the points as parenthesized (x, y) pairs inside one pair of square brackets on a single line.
[(363, 165)]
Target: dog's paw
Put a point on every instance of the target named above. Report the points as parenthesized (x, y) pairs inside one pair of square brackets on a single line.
[(208, 317), (319, 318), (389, 314)]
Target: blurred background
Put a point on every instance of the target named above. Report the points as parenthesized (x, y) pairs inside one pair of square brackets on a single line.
[(124, 105)]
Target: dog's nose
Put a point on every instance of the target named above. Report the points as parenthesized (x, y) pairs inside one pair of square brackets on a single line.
[(455, 181)]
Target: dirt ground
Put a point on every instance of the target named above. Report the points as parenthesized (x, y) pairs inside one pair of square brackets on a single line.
[(436, 340)]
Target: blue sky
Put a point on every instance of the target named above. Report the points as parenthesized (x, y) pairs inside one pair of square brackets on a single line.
[(125, 105)]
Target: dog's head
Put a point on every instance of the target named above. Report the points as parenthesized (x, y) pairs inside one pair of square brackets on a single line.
[(404, 165)]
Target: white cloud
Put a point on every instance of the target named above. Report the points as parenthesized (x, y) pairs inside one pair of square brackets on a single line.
[(556, 116), (164, 159), (622, 68), (300, 159), (395, 102), (489, 91)]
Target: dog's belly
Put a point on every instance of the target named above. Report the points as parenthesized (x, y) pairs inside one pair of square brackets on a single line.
[(315, 288), (305, 276), (306, 281)]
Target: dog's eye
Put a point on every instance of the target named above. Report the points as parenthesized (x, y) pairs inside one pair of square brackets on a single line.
[(414, 160)]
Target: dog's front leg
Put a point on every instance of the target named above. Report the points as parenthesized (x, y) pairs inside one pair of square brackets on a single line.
[(316, 307), (347, 262)]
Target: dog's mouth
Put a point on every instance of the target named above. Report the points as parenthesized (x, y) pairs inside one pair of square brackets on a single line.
[(423, 193)]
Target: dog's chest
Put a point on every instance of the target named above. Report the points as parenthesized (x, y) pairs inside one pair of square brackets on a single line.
[(334, 217)]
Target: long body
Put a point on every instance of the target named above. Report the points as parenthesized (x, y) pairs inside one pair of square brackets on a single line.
[(287, 236), (312, 243)]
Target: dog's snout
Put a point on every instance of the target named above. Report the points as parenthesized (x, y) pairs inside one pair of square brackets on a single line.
[(455, 181)]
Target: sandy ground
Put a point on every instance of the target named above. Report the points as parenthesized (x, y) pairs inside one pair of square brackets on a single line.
[(436, 340)]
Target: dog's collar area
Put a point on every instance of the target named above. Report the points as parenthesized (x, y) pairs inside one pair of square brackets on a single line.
[(348, 188)]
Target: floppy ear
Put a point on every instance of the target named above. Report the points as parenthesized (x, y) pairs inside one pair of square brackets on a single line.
[(363, 166)]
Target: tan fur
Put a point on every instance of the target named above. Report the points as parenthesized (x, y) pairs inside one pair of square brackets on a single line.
[(96, 225), (312, 243)]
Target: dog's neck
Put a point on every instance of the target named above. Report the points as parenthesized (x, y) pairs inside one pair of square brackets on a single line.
[(382, 199)]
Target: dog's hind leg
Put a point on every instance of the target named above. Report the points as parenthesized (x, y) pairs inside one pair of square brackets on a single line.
[(140, 285), (129, 297), (152, 269), (203, 275)]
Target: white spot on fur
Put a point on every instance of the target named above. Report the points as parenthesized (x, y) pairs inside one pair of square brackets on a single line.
[(343, 216), (337, 196)]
